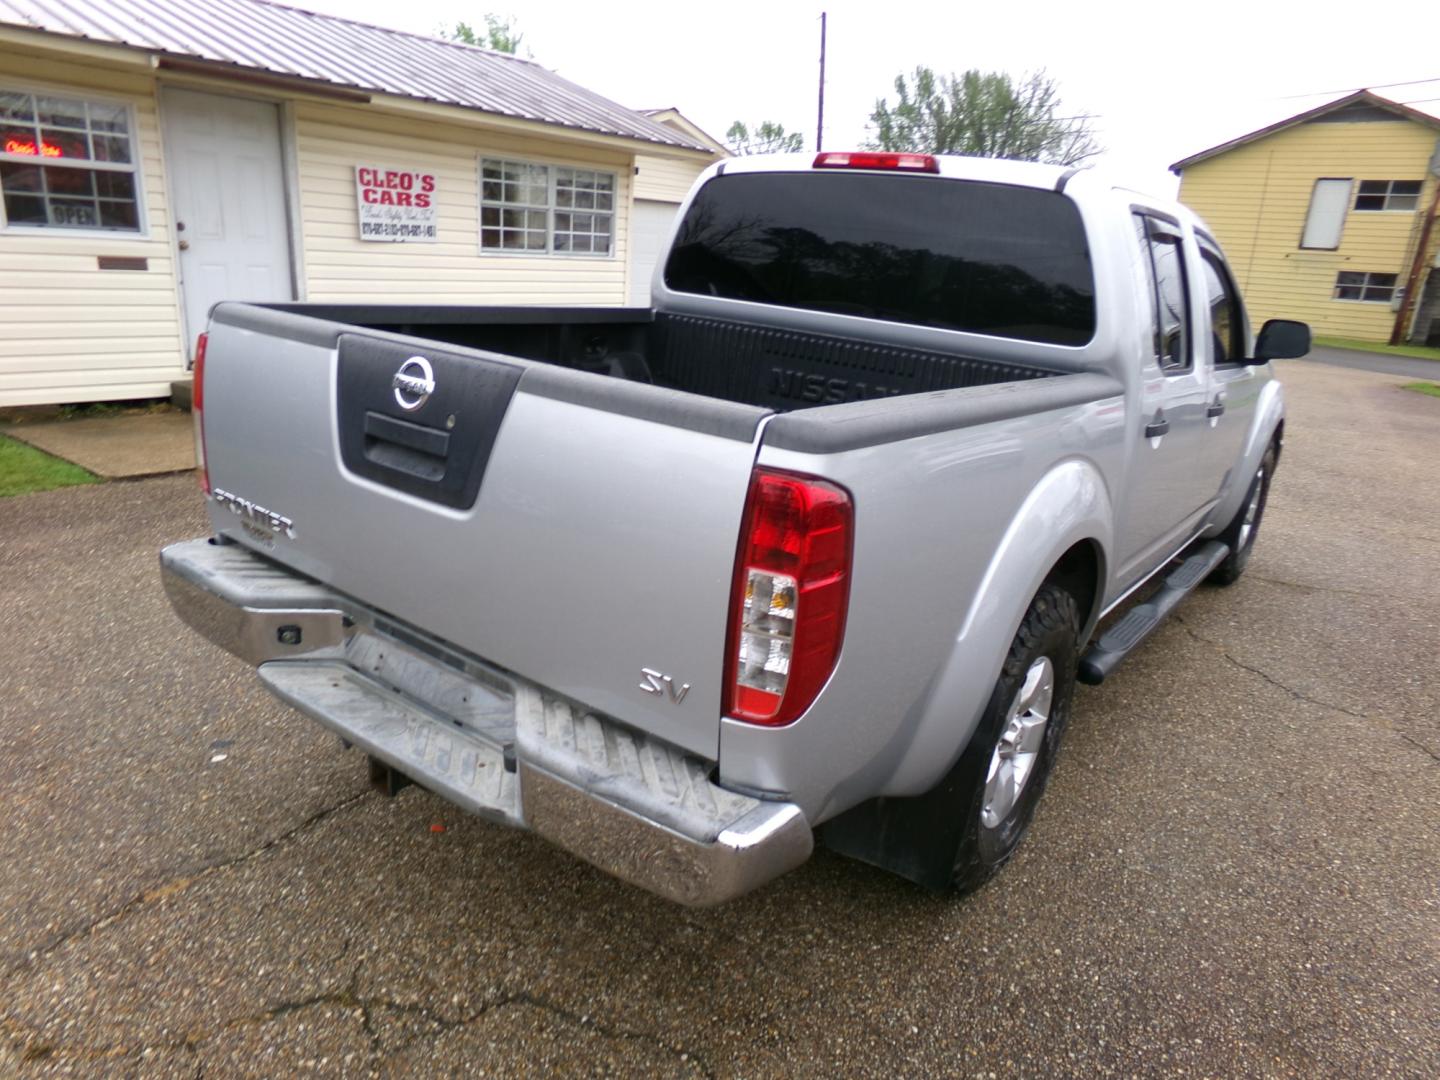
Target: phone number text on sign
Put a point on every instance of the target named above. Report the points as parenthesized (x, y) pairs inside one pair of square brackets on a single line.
[(395, 205)]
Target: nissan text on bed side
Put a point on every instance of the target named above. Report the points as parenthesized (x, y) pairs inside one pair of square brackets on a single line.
[(817, 545)]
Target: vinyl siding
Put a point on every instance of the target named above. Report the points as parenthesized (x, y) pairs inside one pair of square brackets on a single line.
[(666, 179), (332, 140), (1255, 199), (74, 332)]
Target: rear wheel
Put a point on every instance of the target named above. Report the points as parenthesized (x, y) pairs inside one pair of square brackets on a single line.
[(1241, 532), (1010, 757)]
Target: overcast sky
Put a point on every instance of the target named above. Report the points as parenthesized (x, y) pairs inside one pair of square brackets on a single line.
[(1162, 81)]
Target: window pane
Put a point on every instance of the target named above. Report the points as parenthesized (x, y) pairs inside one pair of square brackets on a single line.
[(535, 241), (25, 209), (605, 201), (18, 140), (489, 238), (108, 118), (1405, 187), (1370, 202), (1374, 187), (61, 112), (564, 196), (56, 142), (490, 216), (1403, 202), (963, 255), (16, 106), (1224, 323), (602, 245), (562, 242), (118, 215), (1170, 281), (21, 178), (1350, 277), (69, 182), (1388, 280), (112, 148), (1347, 292), (115, 185)]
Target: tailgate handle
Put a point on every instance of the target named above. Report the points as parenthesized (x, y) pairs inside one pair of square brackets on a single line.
[(403, 433), (410, 448)]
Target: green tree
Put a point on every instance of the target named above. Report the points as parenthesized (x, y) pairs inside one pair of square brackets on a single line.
[(983, 114), (768, 138), (499, 34)]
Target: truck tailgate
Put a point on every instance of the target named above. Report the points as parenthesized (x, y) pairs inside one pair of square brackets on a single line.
[(571, 528)]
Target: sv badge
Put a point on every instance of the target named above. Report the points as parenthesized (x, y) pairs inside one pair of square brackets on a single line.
[(659, 683)]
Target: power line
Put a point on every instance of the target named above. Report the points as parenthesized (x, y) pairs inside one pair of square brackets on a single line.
[(1357, 89)]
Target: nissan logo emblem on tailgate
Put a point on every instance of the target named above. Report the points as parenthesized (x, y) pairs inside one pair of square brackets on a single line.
[(413, 383)]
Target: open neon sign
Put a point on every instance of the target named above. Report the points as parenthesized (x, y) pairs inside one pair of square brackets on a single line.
[(20, 146)]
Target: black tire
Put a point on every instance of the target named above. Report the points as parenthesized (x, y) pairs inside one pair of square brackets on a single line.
[(1241, 541), (1051, 630)]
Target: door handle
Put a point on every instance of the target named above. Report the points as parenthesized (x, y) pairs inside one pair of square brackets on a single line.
[(1216, 409), (184, 245), (1157, 427)]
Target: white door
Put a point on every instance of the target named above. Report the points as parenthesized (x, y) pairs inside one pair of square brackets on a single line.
[(649, 229), (228, 190)]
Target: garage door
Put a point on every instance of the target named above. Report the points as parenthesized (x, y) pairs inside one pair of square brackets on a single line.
[(649, 230)]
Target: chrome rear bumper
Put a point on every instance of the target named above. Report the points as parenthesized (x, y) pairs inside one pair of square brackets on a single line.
[(483, 738)]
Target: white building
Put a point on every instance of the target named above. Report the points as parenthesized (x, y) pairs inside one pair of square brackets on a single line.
[(158, 156)]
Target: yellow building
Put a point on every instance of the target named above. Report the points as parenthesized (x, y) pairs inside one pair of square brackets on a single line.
[(1323, 217), (158, 157)]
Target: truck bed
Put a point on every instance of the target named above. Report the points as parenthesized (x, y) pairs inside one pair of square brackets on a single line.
[(776, 369)]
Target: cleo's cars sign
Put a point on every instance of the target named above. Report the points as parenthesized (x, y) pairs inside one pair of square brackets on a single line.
[(396, 205)]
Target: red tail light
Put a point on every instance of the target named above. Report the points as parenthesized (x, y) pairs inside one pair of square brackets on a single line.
[(788, 599), (197, 407), (925, 163)]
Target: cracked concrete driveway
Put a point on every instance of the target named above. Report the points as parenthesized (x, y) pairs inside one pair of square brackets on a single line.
[(1234, 871)]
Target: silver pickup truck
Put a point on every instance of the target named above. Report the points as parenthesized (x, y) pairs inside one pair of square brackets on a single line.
[(814, 548)]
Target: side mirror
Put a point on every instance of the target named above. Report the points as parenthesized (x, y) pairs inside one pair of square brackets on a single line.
[(1282, 339)]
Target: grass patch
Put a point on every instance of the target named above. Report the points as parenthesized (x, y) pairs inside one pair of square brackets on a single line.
[(1418, 352), (1433, 389), (24, 469)]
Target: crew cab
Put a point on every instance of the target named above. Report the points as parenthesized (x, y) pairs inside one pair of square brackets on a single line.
[(815, 547)]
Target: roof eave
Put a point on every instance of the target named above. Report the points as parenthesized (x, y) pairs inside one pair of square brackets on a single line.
[(1366, 96)]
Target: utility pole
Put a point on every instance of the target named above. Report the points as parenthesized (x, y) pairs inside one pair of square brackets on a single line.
[(1417, 268), (820, 121)]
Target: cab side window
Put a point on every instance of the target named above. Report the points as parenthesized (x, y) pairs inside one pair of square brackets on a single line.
[(1164, 259), (1227, 316)]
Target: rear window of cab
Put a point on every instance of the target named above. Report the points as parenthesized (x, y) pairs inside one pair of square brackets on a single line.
[(985, 258)]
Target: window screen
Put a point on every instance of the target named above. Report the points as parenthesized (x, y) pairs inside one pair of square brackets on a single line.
[(1329, 200), (988, 258)]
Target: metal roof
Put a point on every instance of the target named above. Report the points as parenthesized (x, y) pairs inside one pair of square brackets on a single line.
[(268, 37)]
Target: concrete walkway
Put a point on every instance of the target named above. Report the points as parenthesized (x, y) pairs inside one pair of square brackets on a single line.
[(113, 447)]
